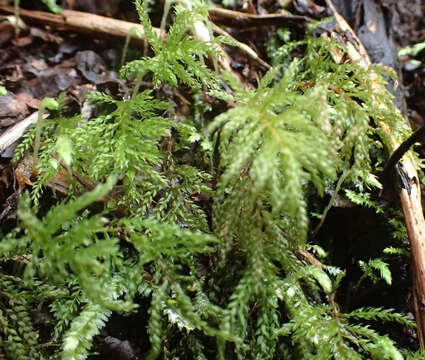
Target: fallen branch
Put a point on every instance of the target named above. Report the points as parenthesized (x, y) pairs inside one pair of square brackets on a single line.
[(15, 132), (410, 195), (245, 48), (239, 19), (83, 23)]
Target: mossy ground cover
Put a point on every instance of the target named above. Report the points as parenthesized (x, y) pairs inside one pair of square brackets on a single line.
[(187, 221)]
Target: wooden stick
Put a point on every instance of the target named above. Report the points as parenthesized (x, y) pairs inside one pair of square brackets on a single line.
[(245, 48), (15, 132), (81, 22), (410, 195), (239, 19)]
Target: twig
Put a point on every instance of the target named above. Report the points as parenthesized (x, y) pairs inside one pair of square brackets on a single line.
[(82, 22), (243, 47), (15, 132), (238, 19), (88, 185)]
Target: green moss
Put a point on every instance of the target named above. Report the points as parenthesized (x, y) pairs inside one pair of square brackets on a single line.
[(309, 123)]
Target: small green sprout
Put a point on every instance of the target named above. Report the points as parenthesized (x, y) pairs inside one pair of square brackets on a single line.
[(50, 104)]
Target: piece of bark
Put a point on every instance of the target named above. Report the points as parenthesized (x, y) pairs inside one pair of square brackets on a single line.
[(410, 195)]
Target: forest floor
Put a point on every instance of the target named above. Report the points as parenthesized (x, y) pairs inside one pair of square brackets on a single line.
[(45, 61)]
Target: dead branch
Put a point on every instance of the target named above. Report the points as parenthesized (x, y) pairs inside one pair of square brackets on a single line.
[(83, 23), (105, 27), (239, 19), (245, 48), (15, 132), (410, 195)]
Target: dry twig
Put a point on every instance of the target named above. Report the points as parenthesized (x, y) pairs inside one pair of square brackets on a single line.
[(238, 19), (15, 132)]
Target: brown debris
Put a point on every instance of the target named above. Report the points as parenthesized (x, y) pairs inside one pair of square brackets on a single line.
[(11, 108)]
